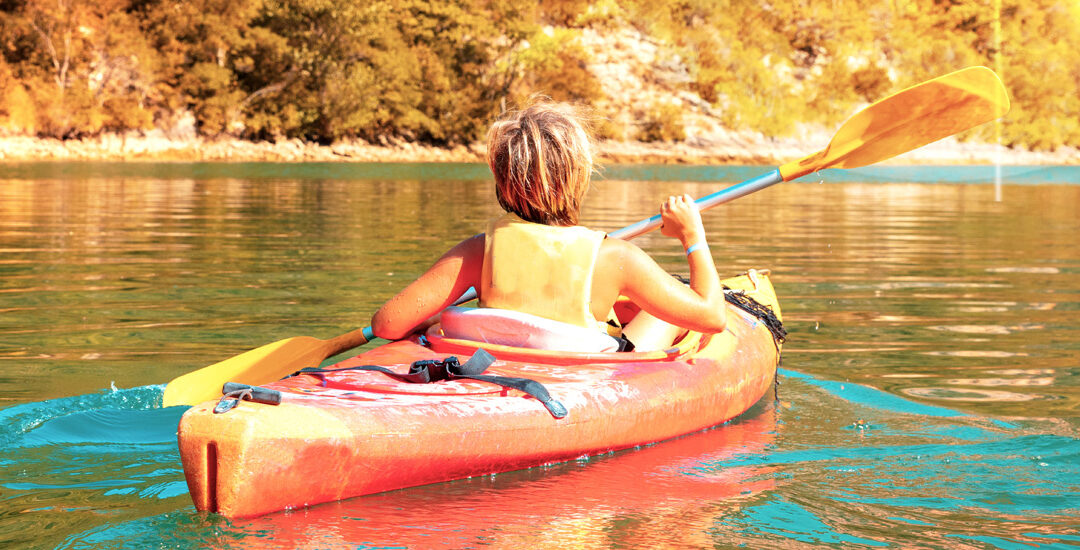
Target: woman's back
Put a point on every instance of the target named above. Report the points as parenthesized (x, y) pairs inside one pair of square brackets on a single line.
[(541, 270)]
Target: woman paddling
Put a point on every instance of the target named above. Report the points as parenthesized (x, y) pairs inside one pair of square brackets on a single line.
[(536, 260)]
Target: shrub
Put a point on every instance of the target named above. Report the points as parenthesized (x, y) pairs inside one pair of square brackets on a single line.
[(18, 114), (662, 122), (554, 64)]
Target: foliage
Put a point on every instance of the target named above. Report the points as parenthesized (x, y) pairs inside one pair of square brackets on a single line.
[(766, 64), (663, 122), (17, 110), (553, 63), (86, 65), (439, 70), (562, 12)]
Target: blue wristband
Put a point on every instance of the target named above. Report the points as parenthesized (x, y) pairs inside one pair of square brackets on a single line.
[(696, 246)]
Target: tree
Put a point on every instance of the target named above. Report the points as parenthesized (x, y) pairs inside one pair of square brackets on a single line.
[(86, 64)]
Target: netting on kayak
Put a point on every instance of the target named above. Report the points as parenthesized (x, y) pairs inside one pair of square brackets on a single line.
[(757, 309), (764, 313)]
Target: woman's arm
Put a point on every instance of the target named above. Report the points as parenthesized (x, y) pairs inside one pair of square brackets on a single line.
[(439, 286), (699, 307)]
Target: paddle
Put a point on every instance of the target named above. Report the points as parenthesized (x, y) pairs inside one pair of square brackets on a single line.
[(906, 120)]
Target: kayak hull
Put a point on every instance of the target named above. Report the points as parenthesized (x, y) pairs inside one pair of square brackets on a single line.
[(352, 433)]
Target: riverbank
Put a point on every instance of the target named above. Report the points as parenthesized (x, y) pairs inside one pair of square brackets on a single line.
[(634, 71), (709, 149)]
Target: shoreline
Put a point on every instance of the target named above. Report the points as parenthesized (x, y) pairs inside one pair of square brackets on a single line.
[(731, 149)]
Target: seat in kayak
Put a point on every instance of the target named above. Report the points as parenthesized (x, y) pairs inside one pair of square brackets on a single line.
[(522, 330)]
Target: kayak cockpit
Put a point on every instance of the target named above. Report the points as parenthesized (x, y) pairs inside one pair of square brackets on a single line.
[(753, 284), (438, 342)]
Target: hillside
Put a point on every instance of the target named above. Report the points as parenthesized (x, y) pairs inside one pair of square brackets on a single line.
[(668, 81)]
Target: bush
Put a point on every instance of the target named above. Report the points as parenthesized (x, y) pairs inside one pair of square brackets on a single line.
[(18, 114), (563, 12), (662, 122), (554, 64)]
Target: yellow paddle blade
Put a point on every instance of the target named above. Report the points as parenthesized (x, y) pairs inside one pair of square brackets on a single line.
[(909, 119), (259, 366), (262, 365)]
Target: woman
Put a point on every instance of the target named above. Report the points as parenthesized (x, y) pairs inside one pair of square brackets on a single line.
[(535, 259)]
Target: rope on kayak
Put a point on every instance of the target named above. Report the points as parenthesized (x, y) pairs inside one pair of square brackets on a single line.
[(743, 301), (431, 370), (764, 313)]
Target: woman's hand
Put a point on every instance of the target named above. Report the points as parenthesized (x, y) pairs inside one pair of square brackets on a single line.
[(681, 220)]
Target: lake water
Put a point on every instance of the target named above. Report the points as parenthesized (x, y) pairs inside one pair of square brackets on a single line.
[(929, 392)]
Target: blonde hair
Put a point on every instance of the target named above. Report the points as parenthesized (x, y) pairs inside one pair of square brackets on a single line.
[(542, 160)]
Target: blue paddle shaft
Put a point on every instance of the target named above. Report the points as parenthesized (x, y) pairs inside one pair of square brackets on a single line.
[(704, 203)]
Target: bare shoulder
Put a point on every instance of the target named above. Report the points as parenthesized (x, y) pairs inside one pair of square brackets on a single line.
[(618, 247), (469, 248), (624, 262), (636, 273), (617, 252)]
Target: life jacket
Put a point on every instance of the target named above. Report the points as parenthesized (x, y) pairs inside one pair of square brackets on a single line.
[(541, 270)]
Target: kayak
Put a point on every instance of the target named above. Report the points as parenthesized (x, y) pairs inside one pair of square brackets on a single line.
[(367, 425), (688, 481)]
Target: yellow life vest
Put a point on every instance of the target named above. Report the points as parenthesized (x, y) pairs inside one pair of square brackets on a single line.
[(540, 269)]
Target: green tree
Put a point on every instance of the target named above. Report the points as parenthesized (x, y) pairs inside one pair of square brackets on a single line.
[(554, 64), (324, 70), (1040, 50), (86, 64), (440, 70), (204, 44), (458, 44)]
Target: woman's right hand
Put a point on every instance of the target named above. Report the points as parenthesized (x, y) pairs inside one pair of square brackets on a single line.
[(682, 220)]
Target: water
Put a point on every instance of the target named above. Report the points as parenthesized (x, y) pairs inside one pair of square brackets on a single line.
[(929, 393)]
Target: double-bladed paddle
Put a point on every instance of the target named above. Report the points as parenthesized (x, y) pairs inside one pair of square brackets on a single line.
[(904, 121)]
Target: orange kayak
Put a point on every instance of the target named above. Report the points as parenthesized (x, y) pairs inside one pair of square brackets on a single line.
[(676, 483), (338, 434)]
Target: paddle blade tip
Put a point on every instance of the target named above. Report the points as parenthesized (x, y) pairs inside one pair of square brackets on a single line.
[(261, 365), (909, 119)]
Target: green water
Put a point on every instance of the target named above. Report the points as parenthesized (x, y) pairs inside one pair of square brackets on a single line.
[(929, 393)]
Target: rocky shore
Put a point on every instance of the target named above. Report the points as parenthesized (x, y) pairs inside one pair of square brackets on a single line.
[(714, 148)]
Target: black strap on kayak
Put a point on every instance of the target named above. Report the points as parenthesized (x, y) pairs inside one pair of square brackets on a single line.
[(234, 393), (433, 370)]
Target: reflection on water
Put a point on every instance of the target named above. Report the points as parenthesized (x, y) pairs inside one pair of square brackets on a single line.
[(929, 396)]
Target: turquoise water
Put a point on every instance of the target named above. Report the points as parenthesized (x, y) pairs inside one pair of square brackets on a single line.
[(929, 394)]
